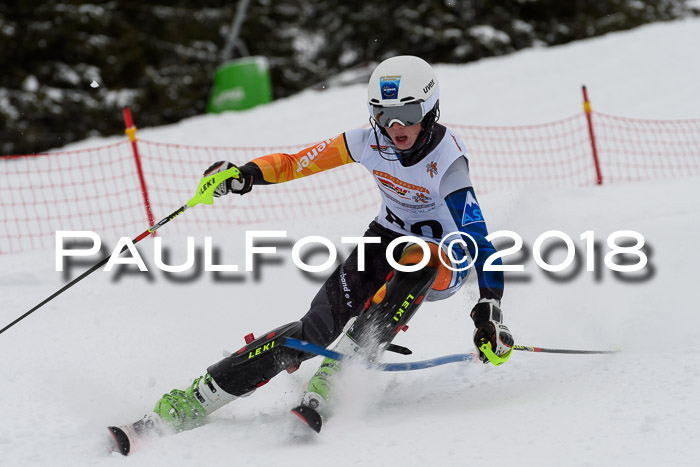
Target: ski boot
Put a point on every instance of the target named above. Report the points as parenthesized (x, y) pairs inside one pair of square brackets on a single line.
[(235, 376), (184, 410), (313, 404), (176, 411)]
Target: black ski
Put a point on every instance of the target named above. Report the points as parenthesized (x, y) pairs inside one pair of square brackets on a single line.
[(127, 437), (310, 416), (121, 440)]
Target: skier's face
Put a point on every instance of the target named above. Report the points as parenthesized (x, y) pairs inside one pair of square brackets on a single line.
[(404, 137)]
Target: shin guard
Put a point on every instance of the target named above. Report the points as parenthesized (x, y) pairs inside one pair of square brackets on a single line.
[(258, 361), (390, 309)]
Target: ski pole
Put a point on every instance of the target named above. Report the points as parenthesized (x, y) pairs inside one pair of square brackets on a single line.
[(204, 195), (314, 349), (485, 347), (567, 351)]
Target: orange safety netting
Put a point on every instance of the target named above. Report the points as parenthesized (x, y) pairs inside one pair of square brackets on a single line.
[(98, 189)]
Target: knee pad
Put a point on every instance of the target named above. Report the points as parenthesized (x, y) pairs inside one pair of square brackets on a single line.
[(448, 281), (257, 361)]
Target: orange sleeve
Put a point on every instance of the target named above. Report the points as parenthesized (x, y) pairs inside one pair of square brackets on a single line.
[(328, 154)]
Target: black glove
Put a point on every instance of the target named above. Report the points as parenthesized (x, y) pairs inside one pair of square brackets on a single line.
[(488, 320), (241, 185)]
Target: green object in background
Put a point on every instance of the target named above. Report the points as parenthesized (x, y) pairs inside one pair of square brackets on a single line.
[(240, 84)]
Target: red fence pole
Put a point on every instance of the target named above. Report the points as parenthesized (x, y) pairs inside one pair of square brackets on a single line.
[(587, 108), (131, 132)]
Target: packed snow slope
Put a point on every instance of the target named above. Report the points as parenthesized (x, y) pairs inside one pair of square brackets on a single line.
[(103, 352)]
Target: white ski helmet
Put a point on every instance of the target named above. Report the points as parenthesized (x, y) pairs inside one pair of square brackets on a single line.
[(403, 89)]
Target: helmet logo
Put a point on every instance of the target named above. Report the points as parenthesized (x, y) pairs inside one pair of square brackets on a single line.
[(429, 86), (389, 86)]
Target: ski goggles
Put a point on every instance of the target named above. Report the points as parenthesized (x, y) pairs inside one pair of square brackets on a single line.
[(406, 115)]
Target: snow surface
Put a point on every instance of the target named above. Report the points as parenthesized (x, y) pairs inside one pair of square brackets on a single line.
[(104, 351)]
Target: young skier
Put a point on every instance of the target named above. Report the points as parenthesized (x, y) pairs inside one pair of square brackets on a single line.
[(422, 172)]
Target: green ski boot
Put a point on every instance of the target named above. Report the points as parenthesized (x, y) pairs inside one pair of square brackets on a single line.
[(318, 392), (184, 410)]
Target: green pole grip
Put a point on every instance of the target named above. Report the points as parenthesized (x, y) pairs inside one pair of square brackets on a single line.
[(493, 358), (205, 191)]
